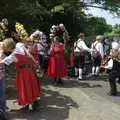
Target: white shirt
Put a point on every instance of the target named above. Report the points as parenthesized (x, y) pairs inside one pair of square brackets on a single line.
[(99, 47), (19, 49), (110, 64), (81, 44)]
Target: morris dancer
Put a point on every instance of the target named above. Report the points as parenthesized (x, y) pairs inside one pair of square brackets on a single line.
[(26, 80), (6, 45), (113, 69), (57, 68), (97, 55), (79, 53), (42, 48)]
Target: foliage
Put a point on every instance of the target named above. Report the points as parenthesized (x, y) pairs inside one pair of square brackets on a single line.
[(115, 31), (43, 13), (97, 25)]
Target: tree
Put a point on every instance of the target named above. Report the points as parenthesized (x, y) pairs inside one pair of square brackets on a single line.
[(115, 31), (97, 25), (43, 13)]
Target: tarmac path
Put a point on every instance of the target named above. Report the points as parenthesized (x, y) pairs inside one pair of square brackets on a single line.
[(75, 100)]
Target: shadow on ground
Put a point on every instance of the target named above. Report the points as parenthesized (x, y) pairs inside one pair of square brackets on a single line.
[(71, 83), (54, 106)]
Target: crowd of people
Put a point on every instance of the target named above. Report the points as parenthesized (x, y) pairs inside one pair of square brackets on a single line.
[(32, 56)]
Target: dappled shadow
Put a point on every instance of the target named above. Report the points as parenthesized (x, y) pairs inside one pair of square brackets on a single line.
[(101, 77), (54, 106), (67, 83), (72, 83), (94, 86), (117, 95)]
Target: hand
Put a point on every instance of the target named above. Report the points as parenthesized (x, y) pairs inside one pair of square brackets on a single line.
[(102, 66), (1, 62)]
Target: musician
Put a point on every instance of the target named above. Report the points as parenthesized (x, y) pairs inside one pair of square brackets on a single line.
[(113, 69)]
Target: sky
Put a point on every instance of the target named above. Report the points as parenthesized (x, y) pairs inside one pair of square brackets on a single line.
[(110, 19)]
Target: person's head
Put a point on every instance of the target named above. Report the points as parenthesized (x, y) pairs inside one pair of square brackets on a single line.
[(62, 27), (29, 41), (15, 36), (99, 38), (53, 29), (81, 36), (43, 37), (115, 45), (114, 53), (8, 45), (51, 37)]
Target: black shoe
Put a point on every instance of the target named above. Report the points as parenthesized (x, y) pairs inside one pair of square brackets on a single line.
[(25, 108), (3, 115), (111, 94), (36, 105), (79, 79), (96, 75), (60, 81)]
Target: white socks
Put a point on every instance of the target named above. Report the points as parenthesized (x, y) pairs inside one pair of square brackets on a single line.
[(95, 70), (76, 71), (30, 107), (80, 73)]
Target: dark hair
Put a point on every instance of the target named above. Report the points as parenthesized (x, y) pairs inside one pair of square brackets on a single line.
[(80, 35)]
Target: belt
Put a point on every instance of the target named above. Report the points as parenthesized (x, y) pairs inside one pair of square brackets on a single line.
[(25, 66)]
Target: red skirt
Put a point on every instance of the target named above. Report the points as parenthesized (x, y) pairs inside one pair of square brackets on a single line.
[(57, 66), (28, 86)]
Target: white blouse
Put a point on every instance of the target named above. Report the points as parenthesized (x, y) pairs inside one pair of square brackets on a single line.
[(110, 64), (81, 44), (19, 49)]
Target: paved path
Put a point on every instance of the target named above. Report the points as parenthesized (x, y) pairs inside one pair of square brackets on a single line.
[(86, 100)]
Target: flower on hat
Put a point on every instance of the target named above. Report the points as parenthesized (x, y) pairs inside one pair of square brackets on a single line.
[(5, 21), (2, 36), (21, 31)]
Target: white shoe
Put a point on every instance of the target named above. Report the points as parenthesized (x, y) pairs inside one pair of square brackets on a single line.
[(7, 109)]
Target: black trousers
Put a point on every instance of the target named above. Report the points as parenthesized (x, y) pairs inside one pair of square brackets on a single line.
[(112, 82), (80, 61), (96, 61), (43, 61)]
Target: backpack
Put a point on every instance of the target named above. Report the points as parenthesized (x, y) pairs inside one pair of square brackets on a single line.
[(95, 52)]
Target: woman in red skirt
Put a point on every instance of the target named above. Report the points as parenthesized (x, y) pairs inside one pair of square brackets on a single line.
[(27, 83), (57, 68)]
